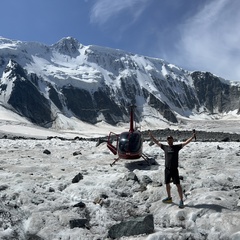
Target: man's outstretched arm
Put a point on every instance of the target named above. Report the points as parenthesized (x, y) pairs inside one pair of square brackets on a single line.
[(190, 139), (154, 139)]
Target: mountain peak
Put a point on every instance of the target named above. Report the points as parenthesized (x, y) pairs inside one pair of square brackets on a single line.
[(68, 46), (13, 66)]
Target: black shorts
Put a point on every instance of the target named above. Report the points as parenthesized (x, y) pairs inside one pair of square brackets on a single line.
[(172, 174)]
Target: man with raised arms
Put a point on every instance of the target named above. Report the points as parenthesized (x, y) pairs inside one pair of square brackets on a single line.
[(171, 165)]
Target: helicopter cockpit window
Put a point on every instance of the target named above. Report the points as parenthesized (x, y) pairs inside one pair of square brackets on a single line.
[(130, 142)]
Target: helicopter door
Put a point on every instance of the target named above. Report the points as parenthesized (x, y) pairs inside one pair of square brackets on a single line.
[(112, 142)]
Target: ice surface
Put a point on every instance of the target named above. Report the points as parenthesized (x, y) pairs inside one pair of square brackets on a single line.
[(37, 193)]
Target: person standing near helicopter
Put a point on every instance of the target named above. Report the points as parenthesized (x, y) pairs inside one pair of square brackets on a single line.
[(171, 165)]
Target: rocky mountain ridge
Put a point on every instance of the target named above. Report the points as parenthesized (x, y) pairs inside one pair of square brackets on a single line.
[(96, 84)]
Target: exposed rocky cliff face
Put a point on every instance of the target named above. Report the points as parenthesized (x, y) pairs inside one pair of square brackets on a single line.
[(217, 96), (25, 98), (94, 84)]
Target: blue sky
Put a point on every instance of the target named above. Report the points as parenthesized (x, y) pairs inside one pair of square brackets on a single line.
[(193, 34)]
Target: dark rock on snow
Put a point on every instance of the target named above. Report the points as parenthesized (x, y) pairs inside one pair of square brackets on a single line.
[(133, 226), (80, 223), (77, 178)]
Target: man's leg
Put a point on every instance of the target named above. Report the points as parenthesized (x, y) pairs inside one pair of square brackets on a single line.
[(168, 188), (181, 204), (169, 198), (180, 193), (167, 181)]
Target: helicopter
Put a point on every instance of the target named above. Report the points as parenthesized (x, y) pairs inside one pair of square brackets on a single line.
[(129, 144)]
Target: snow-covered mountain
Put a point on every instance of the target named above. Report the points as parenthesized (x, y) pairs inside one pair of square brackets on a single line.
[(95, 84)]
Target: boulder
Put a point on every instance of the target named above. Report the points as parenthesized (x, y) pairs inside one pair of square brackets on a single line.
[(133, 226)]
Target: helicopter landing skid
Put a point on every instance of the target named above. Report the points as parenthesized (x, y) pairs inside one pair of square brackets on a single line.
[(115, 160), (145, 157)]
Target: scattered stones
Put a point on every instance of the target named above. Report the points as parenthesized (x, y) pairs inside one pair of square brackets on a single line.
[(80, 205), (132, 176), (132, 226), (3, 187), (157, 184), (46, 152), (104, 196), (77, 153), (77, 178), (33, 237), (226, 139), (142, 188), (101, 200), (51, 189), (98, 200), (61, 187), (146, 180), (123, 194), (78, 223), (37, 201)]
